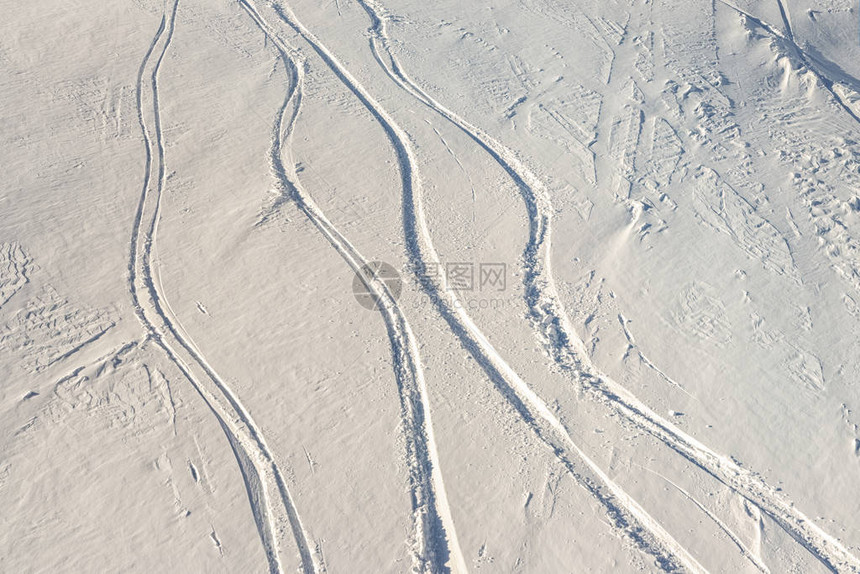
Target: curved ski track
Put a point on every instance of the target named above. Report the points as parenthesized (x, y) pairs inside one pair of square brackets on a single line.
[(435, 539), (271, 503), (627, 516), (554, 327)]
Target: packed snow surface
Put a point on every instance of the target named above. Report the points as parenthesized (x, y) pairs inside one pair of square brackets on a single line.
[(388, 286)]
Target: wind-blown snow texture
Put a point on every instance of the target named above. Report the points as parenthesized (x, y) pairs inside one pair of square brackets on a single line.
[(628, 234)]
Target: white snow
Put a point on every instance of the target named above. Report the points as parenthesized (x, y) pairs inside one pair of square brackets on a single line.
[(628, 336)]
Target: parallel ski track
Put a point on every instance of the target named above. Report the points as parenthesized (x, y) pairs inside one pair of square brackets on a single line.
[(625, 513), (435, 547), (273, 513), (554, 326), (746, 552)]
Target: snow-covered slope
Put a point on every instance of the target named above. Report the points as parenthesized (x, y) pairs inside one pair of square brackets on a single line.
[(621, 333)]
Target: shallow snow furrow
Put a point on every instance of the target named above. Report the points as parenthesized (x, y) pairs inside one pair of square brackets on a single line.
[(270, 501), (435, 542), (568, 350)]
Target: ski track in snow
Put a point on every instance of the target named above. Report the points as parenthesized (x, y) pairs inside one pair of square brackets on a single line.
[(628, 516), (434, 540), (271, 503), (749, 554), (568, 351)]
